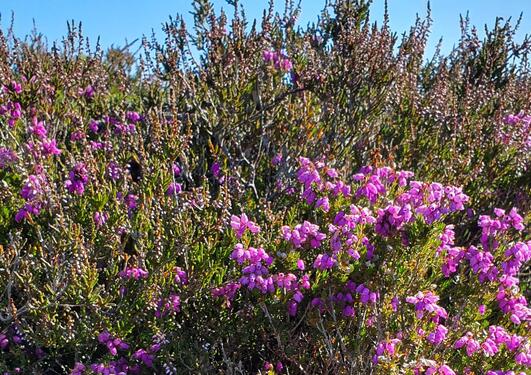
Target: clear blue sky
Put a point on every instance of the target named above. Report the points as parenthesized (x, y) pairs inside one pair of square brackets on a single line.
[(118, 20)]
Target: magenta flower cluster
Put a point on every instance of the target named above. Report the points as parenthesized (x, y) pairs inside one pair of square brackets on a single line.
[(426, 306), (256, 270), (278, 60), (7, 157), (113, 344), (241, 224), (77, 179), (168, 306), (147, 356), (256, 274), (12, 111), (100, 218), (350, 242), (386, 348), (516, 131), (136, 273), (33, 193), (305, 233), (320, 182)]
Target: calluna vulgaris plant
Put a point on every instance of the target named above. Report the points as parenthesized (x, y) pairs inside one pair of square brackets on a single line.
[(266, 199)]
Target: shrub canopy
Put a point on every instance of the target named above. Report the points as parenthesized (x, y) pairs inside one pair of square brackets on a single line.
[(246, 198)]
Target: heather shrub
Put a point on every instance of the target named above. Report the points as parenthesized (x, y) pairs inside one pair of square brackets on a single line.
[(244, 198), (353, 89)]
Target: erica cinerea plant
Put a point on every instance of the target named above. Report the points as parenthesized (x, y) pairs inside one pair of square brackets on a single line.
[(266, 199), (356, 265)]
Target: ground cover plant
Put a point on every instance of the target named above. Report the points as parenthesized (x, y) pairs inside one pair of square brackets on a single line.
[(250, 198)]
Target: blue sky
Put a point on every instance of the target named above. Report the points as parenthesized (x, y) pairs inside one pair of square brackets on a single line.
[(119, 20)]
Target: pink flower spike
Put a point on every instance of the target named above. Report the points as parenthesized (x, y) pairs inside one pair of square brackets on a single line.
[(242, 223)]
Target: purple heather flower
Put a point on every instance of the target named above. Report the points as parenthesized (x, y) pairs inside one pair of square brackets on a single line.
[(104, 336), (134, 273), (145, 357), (176, 169), (33, 187), (323, 203), (516, 256), (255, 273), (166, 306), (513, 342), (427, 302), (94, 126), (268, 56), (511, 119), (498, 334), (302, 234), (28, 210), (77, 136), (268, 366), (317, 303), (523, 358), (513, 305), (132, 116), (241, 224), (49, 147), (7, 157), (286, 281), (38, 128), (131, 201), (88, 92), (491, 227), (121, 129), (154, 348), (114, 172), (304, 282), (215, 169), (77, 179), (180, 276), (392, 219), (15, 87), (17, 339), (94, 145), (173, 189), (482, 263), (277, 159), (438, 336), (386, 348), (100, 218), (4, 342), (78, 369), (228, 291), (489, 348), (348, 311), (13, 111), (284, 64), (366, 296), (395, 302), (280, 61), (467, 341), (292, 307), (113, 344), (324, 262), (251, 255), (441, 370)]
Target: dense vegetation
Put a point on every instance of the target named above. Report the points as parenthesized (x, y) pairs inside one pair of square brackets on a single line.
[(266, 198)]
